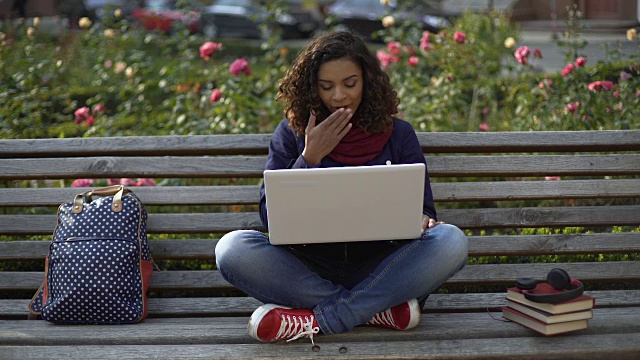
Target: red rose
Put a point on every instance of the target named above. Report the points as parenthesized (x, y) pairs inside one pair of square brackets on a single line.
[(567, 70), (459, 37), (216, 94)]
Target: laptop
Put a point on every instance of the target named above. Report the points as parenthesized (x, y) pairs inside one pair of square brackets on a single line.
[(344, 204)]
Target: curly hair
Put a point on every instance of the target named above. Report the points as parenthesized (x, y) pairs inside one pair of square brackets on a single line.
[(298, 89)]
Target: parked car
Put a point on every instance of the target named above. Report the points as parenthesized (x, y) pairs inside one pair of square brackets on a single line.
[(241, 18), (365, 16), (164, 16)]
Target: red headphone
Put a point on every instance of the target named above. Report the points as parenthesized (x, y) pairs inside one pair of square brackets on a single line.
[(559, 279)]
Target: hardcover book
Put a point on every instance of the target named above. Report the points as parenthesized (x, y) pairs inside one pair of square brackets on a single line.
[(549, 318), (539, 326), (584, 302)]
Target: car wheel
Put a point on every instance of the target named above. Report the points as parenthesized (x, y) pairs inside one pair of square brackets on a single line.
[(210, 31)]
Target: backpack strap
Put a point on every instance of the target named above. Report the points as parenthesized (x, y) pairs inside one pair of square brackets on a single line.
[(116, 190)]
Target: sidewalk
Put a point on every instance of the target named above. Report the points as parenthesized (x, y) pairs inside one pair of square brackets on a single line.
[(538, 34)]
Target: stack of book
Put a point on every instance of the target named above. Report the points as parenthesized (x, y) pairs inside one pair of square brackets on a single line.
[(548, 319)]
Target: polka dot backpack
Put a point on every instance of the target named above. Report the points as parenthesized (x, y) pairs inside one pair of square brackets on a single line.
[(98, 267)]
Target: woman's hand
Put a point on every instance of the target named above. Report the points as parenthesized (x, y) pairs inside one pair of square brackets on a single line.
[(428, 223), (322, 139)]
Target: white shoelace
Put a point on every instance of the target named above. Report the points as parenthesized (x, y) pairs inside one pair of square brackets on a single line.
[(295, 327), (383, 318)]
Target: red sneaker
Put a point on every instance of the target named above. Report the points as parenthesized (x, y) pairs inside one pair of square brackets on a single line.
[(272, 322), (400, 317)]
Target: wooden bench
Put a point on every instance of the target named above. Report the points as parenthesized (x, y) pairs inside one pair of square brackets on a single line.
[(490, 184)]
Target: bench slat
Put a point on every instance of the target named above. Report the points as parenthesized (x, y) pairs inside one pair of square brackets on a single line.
[(249, 194), (192, 223), (228, 343), (502, 245), (212, 330), (471, 274), (253, 166), (244, 306), (529, 141)]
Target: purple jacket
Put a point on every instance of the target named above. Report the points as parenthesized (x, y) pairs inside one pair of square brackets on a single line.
[(402, 148)]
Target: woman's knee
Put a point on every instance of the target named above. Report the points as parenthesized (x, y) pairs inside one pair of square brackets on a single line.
[(232, 247), (454, 239)]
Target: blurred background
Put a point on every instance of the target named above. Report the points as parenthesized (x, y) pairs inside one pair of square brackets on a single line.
[(239, 18)]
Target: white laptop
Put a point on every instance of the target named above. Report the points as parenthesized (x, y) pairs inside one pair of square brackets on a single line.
[(343, 204)]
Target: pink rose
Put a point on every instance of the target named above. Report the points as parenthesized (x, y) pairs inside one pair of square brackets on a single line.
[(216, 94), (98, 108), (81, 183), (485, 111), (208, 49), (537, 53), (572, 107), (552, 178), (459, 37), (484, 127), (83, 115), (127, 182), (385, 58), (625, 75), (413, 61), (600, 85), (567, 70), (146, 182), (581, 61), (240, 66), (424, 41), (522, 54), (394, 48), (425, 36), (113, 182)]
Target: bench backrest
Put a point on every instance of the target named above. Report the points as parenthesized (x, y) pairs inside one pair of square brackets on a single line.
[(490, 184)]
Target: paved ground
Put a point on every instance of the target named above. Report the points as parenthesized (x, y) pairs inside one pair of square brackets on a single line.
[(596, 50)]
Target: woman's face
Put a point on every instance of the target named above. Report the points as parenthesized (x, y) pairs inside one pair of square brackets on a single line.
[(340, 84)]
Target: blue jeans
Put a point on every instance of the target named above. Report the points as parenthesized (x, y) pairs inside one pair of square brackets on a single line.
[(276, 274)]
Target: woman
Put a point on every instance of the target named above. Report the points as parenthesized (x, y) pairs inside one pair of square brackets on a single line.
[(339, 106)]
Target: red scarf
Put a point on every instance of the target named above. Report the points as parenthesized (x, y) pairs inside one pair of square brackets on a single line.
[(358, 147)]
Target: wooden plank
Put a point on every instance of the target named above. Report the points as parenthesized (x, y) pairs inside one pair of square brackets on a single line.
[(530, 141), (471, 349), (244, 306), (623, 346), (216, 330), (249, 194), (149, 195), (451, 337), (567, 348), (558, 244), (534, 165), (499, 274), (492, 218), (542, 217), (253, 166), (490, 245), (535, 190), (244, 144)]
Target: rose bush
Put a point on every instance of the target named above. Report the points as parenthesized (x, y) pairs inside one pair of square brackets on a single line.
[(474, 76)]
